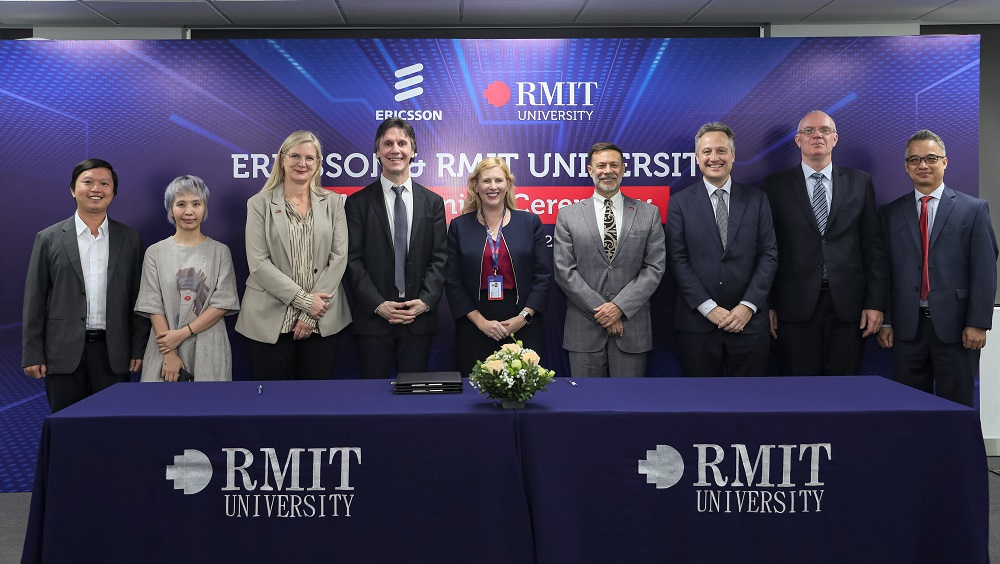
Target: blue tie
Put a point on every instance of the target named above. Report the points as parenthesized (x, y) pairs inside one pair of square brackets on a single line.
[(399, 239), (819, 208)]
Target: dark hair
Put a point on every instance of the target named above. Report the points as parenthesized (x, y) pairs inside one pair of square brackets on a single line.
[(91, 164), (401, 123), (927, 135), (602, 146)]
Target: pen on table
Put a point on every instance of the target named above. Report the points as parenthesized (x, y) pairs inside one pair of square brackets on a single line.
[(570, 382), (260, 390)]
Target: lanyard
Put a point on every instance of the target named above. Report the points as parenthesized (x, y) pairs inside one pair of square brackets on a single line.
[(495, 244)]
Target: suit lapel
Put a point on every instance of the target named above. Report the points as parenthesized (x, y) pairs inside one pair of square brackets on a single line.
[(912, 221), (323, 230), (737, 208), (72, 248), (629, 213), (944, 209), (800, 193), (419, 203), (590, 221), (840, 185), (706, 213), (114, 247), (376, 199), (280, 216)]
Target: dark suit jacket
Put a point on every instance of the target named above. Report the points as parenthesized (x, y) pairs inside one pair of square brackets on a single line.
[(55, 304), (702, 270), (371, 263), (852, 248), (962, 260), (529, 254)]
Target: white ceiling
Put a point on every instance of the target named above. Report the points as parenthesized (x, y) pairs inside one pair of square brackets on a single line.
[(236, 14)]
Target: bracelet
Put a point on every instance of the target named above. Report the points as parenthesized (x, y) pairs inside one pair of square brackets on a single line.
[(190, 329)]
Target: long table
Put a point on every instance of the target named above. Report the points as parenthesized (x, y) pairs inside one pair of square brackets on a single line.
[(852, 469)]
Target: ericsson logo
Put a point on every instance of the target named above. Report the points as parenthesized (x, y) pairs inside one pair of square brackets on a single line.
[(191, 471), (407, 79), (663, 466), (405, 85)]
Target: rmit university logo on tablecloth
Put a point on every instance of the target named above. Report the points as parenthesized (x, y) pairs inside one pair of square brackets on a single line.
[(775, 479), (268, 482)]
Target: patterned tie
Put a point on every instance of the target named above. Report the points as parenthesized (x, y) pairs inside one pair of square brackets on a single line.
[(925, 277), (610, 231), (722, 216), (819, 202), (399, 239), (819, 208)]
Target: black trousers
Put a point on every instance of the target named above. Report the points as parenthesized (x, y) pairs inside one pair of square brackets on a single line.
[(720, 353), (471, 344), (408, 351), (823, 345), (929, 364), (288, 359), (92, 375)]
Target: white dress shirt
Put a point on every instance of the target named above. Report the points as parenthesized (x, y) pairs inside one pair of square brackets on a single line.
[(932, 206), (390, 203), (827, 173), (617, 204), (94, 262)]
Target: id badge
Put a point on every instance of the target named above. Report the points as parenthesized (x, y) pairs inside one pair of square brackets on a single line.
[(495, 285)]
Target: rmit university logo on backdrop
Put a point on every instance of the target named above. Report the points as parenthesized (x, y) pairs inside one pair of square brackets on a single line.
[(268, 482), (546, 101), (778, 479), (407, 84)]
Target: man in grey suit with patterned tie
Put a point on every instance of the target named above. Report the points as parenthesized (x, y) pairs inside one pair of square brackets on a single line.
[(609, 254)]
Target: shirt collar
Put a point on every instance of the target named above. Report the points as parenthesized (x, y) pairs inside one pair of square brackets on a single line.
[(727, 187), (827, 170), (81, 227), (936, 194), (617, 200), (387, 185)]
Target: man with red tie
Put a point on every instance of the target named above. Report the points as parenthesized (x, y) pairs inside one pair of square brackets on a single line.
[(942, 263)]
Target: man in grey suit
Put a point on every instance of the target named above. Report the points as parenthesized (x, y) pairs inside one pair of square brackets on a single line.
[(722, 256), (609, 255), (943, 278), (79, 331)]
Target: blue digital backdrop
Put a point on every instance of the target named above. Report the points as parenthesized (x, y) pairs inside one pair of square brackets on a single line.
[(220, 110)]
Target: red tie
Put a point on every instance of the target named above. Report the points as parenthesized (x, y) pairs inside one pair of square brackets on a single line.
[(925, 278)]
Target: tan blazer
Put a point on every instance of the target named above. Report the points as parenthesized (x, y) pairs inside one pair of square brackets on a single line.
[(269, 287)]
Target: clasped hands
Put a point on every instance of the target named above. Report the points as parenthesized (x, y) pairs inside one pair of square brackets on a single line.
[(401, 313), (500, 330), (732, 321), (317, 309), (609, 315)]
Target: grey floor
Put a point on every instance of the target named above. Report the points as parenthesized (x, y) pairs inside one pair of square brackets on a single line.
[(14, 519)]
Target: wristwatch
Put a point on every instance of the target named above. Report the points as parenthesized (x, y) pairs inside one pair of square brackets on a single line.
[(527, 316)]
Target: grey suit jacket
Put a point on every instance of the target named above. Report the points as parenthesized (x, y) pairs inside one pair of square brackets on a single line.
[(962, 259), (270, 288), (55, 304), (588, 279)]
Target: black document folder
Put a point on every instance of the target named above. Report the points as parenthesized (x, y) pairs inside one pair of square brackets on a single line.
[(428, 383)]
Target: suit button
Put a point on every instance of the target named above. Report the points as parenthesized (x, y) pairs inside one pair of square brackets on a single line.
[(610, 267), (315, 270), (823, 240)]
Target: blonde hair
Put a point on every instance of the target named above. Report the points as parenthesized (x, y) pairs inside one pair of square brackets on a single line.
[(472, 203), (278, 172)]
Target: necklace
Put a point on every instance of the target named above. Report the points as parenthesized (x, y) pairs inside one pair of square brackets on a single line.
[(490, 231)]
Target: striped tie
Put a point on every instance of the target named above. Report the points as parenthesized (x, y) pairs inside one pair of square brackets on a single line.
[(819, 202), (722, 216)]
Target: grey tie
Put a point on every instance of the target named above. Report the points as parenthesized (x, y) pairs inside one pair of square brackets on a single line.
[(820, 210), (722, 216), (399, 239)]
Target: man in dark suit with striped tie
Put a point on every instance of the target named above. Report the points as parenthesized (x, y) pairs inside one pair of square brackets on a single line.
[(830, 289)]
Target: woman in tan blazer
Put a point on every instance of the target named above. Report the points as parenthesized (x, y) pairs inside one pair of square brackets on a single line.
[(296, 241)]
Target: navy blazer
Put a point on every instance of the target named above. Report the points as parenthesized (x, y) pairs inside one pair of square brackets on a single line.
[(371, 265), (853, 246), (55, 309), (962, 265), (528, 252), (702, 270)]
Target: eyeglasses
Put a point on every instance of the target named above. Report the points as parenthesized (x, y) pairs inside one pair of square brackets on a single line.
[(822, 131), (929, 159), (295, 157)]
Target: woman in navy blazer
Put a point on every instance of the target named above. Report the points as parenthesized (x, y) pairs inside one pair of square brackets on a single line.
[(491, 226)]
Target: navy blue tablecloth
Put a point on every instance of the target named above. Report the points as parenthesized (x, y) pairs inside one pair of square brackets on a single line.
[(855, 469), (851, 469)]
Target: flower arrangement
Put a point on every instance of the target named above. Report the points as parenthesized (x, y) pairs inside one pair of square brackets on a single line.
[(512, 374)]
